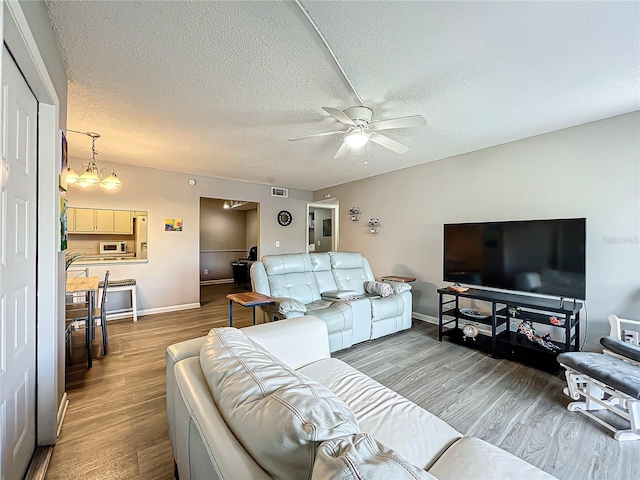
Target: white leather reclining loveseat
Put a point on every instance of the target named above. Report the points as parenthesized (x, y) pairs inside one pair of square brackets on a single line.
[(268, 401), (331, 286)]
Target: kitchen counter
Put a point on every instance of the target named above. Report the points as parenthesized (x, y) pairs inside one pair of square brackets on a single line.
[(109, 259)]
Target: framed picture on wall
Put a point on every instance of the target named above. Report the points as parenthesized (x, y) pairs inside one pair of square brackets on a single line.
[(64, 162), (63, 224), (326, 227), (172, 224)]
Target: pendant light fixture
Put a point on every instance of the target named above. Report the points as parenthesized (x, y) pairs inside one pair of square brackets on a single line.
[(91, 176)]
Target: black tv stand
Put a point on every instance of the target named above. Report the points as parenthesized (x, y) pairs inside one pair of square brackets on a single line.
[(505, 343)]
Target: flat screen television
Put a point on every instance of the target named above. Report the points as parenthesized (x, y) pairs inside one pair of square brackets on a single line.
[(542, 256)]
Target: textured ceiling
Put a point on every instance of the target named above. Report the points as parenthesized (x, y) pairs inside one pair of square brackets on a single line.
[(217, 88)]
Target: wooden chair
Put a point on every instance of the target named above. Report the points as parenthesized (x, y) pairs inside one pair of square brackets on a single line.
[(100, 313)]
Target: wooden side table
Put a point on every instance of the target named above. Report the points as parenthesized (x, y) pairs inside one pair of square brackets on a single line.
[(394, 278), (247, 299)]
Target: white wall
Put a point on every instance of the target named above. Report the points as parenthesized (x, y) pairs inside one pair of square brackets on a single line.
[(171, 278), (590, 171), (253, 229)]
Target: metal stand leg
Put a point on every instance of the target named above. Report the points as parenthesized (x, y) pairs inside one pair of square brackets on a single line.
[(89, 330), (231, 313)]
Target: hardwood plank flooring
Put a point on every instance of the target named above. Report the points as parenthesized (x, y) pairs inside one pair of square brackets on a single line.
[(115, 426)]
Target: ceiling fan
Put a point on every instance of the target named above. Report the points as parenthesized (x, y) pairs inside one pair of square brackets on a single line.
[(360, 129)]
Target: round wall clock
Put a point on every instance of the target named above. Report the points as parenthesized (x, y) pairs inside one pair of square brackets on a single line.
[(284, 218)]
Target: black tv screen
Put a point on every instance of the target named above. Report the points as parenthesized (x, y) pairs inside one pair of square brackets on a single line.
[(542, 256)]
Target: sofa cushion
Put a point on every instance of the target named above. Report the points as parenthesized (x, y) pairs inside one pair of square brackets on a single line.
[(287, 263), (350, 270), (417, 435), (280, 416), (362, 457), (378, 288), (471, 457), (299, 285)]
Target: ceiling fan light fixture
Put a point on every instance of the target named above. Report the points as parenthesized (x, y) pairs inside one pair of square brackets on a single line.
[(356, 139)]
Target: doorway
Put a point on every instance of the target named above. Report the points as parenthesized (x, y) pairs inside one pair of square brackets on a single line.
[(229, 239), (322, 227)]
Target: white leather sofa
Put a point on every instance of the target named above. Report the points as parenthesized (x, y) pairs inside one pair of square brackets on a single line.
[(209, 441), (330, 286)]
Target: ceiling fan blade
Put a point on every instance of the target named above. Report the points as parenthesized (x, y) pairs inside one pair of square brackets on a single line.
[(339, 115), (386, 142), (342, 151), (316, 135), (401, 122)]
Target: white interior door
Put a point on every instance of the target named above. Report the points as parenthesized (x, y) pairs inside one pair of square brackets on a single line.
[(18, 205)]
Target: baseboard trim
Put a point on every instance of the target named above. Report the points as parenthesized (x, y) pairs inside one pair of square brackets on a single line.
[(39, 463), (216, 282), (62, 411), (425, 318), (151, 311)]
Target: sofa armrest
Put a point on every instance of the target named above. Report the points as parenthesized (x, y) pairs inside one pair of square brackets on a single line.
[(398, 287), (295, 341), (284, 305), (174, 354)]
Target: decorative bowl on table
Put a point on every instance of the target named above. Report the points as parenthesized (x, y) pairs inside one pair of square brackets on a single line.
[(472, 313)]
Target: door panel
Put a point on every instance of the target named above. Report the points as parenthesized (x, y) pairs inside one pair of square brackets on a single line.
[(17, 272)]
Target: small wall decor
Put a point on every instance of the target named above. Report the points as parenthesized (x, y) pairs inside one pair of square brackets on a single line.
[(63, 224), (353, 214), (372, 226), (64, 163), (172, 224)]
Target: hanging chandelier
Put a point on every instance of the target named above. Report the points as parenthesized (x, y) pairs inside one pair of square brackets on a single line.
[(91, 176)]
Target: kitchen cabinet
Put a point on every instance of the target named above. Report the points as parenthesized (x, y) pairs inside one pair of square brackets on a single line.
[(84, 220), (90, 220), (122, 222), (71, 220)]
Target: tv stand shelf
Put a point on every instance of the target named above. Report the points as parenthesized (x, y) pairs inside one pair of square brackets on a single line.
[(538, 310)]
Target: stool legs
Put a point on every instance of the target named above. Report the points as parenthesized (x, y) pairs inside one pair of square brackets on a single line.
[(134, 303)]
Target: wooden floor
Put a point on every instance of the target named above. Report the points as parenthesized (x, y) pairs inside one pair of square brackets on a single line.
[(116, 427)]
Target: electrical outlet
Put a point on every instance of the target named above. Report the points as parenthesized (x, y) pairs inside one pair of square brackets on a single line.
[(630, 336), (206, 271)]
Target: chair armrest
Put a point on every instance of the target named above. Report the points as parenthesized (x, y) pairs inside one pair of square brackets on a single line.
[(624, 349), (398, 287)]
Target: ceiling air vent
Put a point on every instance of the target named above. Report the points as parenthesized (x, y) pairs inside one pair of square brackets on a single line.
[(279, 192)]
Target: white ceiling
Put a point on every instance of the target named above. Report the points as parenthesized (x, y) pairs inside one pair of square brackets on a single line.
[(217, 88)]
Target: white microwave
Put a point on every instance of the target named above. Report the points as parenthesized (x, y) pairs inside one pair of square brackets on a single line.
[(113, 247)]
